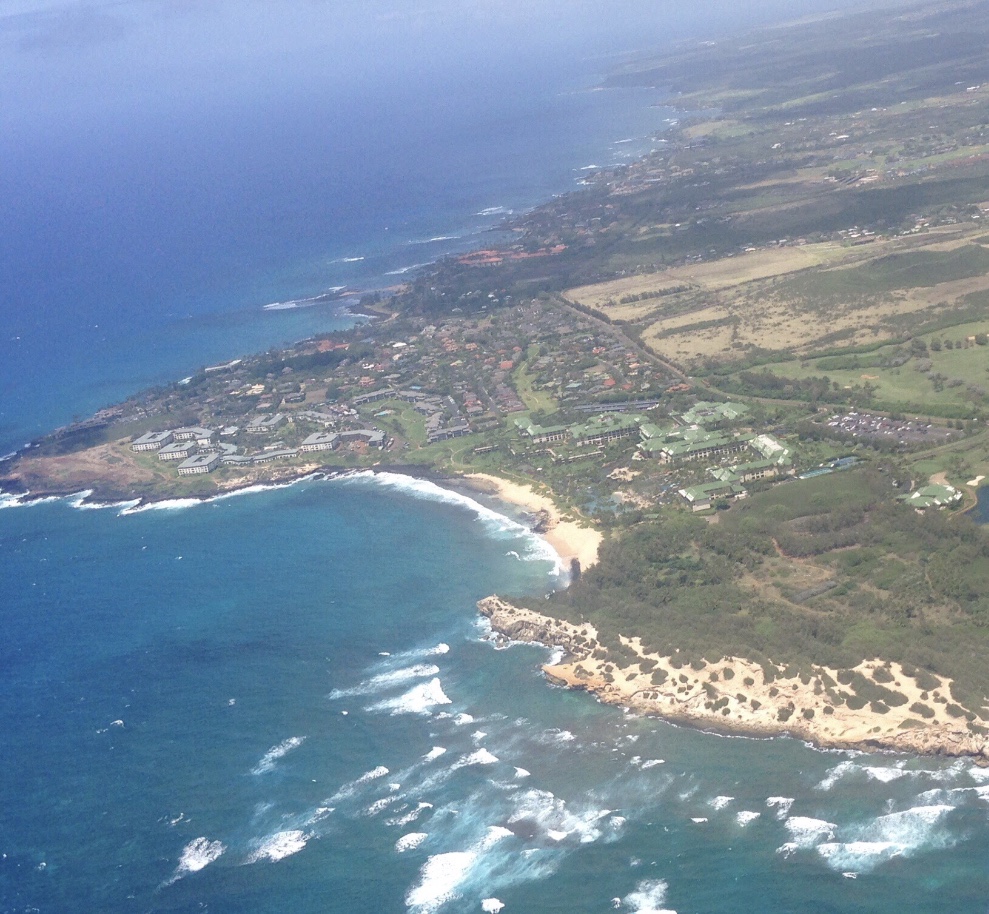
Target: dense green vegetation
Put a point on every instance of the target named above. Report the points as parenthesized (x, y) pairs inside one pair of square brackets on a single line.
[(823, 571)]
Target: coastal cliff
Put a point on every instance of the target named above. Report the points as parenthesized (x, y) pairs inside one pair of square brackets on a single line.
[(735, 695)]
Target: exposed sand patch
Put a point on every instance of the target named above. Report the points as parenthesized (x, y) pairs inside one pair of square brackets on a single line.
[(569, 539)]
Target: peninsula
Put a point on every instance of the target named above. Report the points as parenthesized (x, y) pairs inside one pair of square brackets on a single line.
[(741, 385)]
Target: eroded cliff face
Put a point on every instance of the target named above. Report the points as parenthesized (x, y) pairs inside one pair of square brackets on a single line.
[(736, 695)]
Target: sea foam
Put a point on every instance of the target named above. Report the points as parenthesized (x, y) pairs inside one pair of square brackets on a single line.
[(442, 875), (278, 846), (268, 760), (420, 700), (497, 525), (648, 898), (196, 855), (383, 681)]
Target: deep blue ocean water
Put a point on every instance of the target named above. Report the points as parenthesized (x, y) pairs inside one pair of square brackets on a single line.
[(283, 700), (228, 707)]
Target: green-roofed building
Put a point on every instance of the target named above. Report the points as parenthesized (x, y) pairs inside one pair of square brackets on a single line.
[(683, 444), (700, 498), (708, 413), (771, 449), (747, 472), (540, 433), (933, 496), (606, 427)]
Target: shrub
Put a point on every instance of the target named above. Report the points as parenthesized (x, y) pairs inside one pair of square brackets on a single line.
[(923, 710)]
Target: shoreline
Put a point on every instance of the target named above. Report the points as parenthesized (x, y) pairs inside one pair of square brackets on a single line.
[(570, 540), (735, 696)]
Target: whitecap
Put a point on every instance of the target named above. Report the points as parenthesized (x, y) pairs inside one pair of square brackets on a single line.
[(544, 812), (720, 802), (401, 271), (835, 775), (885, 775), (860, 855), (420, 700), (379, 806), (648, 897), (492, 905), (268, 760), (410, 816), (278, 846), (461, 720), (481, 757), (442, 875), (350, 788), (522, 773), (806, 832), (652, 763), (196, 855), (434, 753), (169, 504), (745, 817), (384, 681), (497, 525), (698, 820), (410, 841), (781, 805)]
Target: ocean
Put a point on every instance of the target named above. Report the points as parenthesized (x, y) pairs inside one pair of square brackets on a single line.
[(284, 699)]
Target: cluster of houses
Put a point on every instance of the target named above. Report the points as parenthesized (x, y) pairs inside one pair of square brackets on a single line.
[(438, 426), (201, 450)]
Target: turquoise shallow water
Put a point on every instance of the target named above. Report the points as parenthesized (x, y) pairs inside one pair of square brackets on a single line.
[(284, 701)]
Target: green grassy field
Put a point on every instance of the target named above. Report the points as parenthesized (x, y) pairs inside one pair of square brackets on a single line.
[(955, 379)]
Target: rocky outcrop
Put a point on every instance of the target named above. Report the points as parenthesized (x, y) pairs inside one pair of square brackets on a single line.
[(518, 624), (735, 695)]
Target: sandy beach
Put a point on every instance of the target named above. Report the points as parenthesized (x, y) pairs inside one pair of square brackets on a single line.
[(569, 539)]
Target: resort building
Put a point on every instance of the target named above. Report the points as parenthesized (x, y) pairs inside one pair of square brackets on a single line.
[(372, 436), (178, 450), (707, 413), (320, 441), (684, 444), (269, 456), (541, 434), (264, 424), (199, 463), (202, 436), (747, 472), (604, 428), (151, 441), (702, 497)]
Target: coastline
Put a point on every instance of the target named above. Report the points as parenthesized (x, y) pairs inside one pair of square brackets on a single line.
[(569, 539), (736, 696)]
